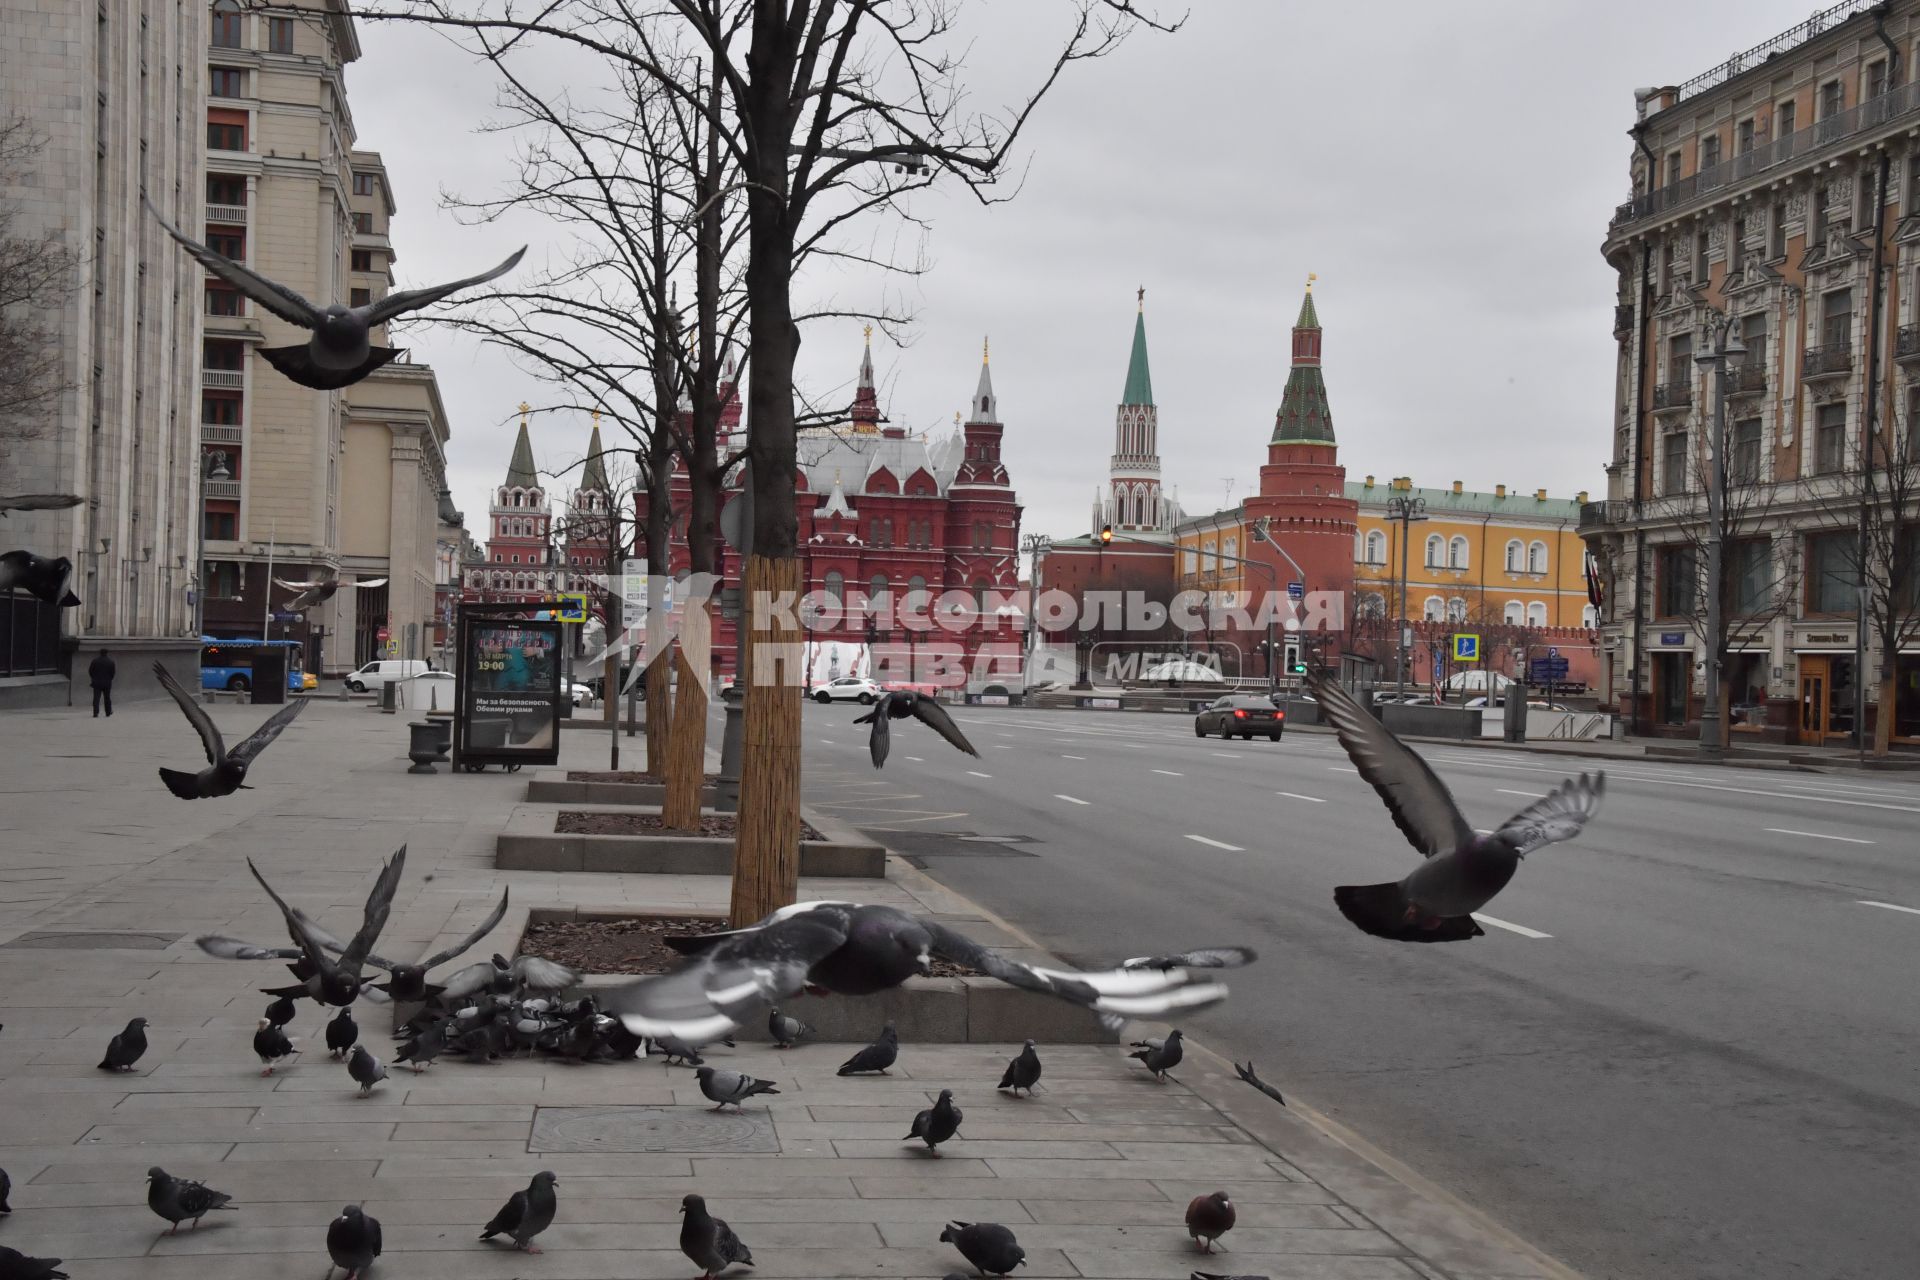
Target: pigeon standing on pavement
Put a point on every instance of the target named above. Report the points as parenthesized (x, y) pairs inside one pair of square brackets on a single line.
[(353, 1242), (15, 1265), (45, 580), (674, 1049), (1023, 1072), (315, 591), (271, 1046), (1209, 1218), (989, 1246), (342, 1033), (708, 1240), (365, 1069), (731, 1087), (125, 1049), (900, 705), (526, 1213), (877, 1056), (937, 1123), (1162, 1057), (181, 1199), (282, 1011), (226, 771), (786, 1032), (6, 1189), (1463, 870), (426, 1046), (330, 981)]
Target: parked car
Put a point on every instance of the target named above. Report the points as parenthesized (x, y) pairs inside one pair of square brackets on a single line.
[(1242, 714), (379, 673), (847, 689), (582, 694), (431, 689)]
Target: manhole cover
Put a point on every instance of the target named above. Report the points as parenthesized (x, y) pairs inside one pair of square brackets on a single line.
[(651, 1130), (95, 941)]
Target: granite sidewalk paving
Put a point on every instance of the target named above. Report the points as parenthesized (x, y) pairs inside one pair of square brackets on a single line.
[(104, 881)]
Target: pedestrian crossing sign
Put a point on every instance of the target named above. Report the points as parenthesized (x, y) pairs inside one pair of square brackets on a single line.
[(572, 606), (1466, 648)]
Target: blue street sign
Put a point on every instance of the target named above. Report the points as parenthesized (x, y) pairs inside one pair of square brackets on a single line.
[(1552, 652), (280, 615), (1296, 590), (1466, 648), (1541, 670)]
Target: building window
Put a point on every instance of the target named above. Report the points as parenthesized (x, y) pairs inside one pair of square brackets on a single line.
[(279, 35), (1913, 423), (222, 301), (1876, 80), (363, 184), (219, 410), (1833, 99), (1435, 549), (1376, 547), (228, 244), (1516, 556), (359, 297), (363, 260), (1836, 319), (1537, 557), (1744, 464), (1743, 136), (1674, 575), (1830, 439), (1230, 550), (1786, 118), (1709, 151), (1589, 617), (1833, 575), (1673, 167), (877, 588), (836, 584), (1457, 553), (1679, 359), (1749, 574), (1777, 231), (226, 137), (1433, 609), (917, 591), (1190, 560), (222, 354), (363, 223), (226, 82), (1537, 614), (1515, 614), (1457, 609), (1673, 464), (227, 189), (1700, 259), (1373, 605), (982, 535), (223, 579), (221, 526), (226, 24)]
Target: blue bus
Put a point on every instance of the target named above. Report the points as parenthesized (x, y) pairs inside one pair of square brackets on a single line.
[(228, 664)]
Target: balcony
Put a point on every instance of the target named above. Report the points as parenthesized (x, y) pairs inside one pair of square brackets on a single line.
[(211, 434), (1906, 345), (228, 214), (1747, 380), (1598, 515), (220, 489), (1622, 318), (1673, 395), (1829, 361), (223, 379)]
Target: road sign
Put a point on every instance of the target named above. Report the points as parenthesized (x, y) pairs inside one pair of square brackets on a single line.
[(1552, 652), (282, 615), (1296, 590), (1542, 670), (1466, 648), (573, 606)]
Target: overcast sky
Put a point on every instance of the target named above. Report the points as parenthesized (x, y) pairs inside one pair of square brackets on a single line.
[(1447, 170)]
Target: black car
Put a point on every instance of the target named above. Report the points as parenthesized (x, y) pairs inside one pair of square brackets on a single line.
[(1244, 714)]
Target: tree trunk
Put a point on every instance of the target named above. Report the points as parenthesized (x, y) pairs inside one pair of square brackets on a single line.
[(766, 869), (1887, 714), (686, 756)]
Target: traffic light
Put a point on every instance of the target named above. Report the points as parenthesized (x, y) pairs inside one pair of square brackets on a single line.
[(1295, 664), (1106, 533)]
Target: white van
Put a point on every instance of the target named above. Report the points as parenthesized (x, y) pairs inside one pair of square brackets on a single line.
[(376, 675)]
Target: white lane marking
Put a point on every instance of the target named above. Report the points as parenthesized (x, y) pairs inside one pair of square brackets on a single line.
[(1065, 756), (1620, 775), (975, 773), (1138, 746), (1889, 906), (1817, 835), (1294, 795), (1341, 768), (1509, 791), (1001, 746), (1230, 755), (1218, 844), (915, 759), (828, 742), (1071, 799), (1170, 773), (1511, 927)]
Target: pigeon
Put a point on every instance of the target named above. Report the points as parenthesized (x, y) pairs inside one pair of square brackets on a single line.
[(320, 590), (125, 1049), (989, 1246), (498, 977), (180, 1199), (270, 1045), (851, 949), (15, 1265), (1162, 1057), (1208, 1275), (1209, 1218), (226, 771), (734, 1087), (937, 1123), (365, 1069), (877, 1056), (44, 580), (353, 1242), (1023, 1072), (1463, 870), (281, 1011), (421, 1051), (409, 981), (674, 1049), (6, 1189), (342, 1033), (898, 706), (526, 1213), (340, 353), (784, 1030), (708, 1240), (1199, 958), (1246, 1073), (38, 502), (329, 981)]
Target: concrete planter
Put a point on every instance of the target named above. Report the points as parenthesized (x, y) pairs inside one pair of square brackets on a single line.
[(530, 843), (553, 787)]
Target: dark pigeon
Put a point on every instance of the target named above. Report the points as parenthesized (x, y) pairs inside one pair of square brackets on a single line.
[(44, 580), (15, 1265), (226, 771), (315, 591), (341, 352), (989, 1246), (1209, 1218), (409, 981), (365, 1069), (1208, 1275), (877, 1056), (786, 1032), (38, 502), (900, 705), (937, 1123), (1199, 958), (500, 977), (1246, 1073), (333, 982), (1162, 1057), (6, 1189), (342, 1033), (270, 1045), (282, 1011), (1023, 1072), (731, 1087), (1463, 870), (526, 1213), (353, 1242), (181, 1200), (708, 1240), (851, 949), (125, 1049), (426, 1046)]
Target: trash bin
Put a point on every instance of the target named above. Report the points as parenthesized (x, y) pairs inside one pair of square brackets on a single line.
[(389, 697)]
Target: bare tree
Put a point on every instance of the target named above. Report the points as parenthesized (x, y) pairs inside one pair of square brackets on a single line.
[(37, 276)]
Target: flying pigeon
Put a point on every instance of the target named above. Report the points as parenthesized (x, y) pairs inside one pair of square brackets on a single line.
[(731, 1087), (15, 1265), (342, 1032), (877, 1056), (226, 771), (125, 1049), (1162, 1057), (1246, 1073), (38, 502), (1023, 1072), (180, 1199), (784, 1030), (989, 1246), (708, 1240), (937, 1123), (421, 1051), (340, 352), (898, 706), (353, 1242), (1209, 1218), (1463, 870), (329, 981), (6, 1189), (270, 1045), (315, 591), (855, 950), (498, 977), (1199, 958), (1208, 1275), (409, 981), (282, 1011), (44, 580), (526, 1213), (365, 1069)]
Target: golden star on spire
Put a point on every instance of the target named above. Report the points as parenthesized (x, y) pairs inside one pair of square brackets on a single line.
[(1311, 277), (525, 409), (983, 350), (595, 415), (1140, 296), (867, 333)]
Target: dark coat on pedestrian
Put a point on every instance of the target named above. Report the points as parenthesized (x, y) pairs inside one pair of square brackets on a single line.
[(100, 671)]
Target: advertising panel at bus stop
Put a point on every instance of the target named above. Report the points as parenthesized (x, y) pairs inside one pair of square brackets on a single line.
[(510, 691)]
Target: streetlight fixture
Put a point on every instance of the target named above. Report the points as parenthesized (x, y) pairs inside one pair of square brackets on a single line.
[(1406, 510), (1036, 546), (1720, 350)]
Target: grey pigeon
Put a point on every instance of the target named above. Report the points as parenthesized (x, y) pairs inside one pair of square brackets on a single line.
[(1023, 1072), (125, 1049), (734, 1087), (315, 591), (409, 981), (342, 1033), (365, 1069), (899, 706), (526, 1213), (786, 1032), (1246, 1073), (851, 949), (341, 352), (38, 502), (226, 771), (15, 1265), (45, 580), (937, 1123), (282, 1011), (181, 1199), (877, 1056), (1161, 1058), (674, 1049), (500, 977), (271, 1046), (425, 1047), (353, 1242), (989, 1246), (1208, 1275), (1209, 1218), (1198, 958), (708, 1240), (331, 981), (6, 1189), (1463, 870)]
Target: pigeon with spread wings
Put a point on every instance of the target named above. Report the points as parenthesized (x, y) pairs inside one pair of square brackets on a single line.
[(1464, 870), (497, 976), (341, 351), (900, 704), (38, 502), (315, 591), (43, 579), (327, 979), (226, 771)]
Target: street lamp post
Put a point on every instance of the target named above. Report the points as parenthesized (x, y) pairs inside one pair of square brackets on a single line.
[(1406, 510), (1721, 348), (1036, 545)]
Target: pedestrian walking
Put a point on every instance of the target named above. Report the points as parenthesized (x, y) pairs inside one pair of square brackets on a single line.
[(100, 676)]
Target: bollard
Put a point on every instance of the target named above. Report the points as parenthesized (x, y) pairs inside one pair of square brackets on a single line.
[(389, 698), (424, 747)]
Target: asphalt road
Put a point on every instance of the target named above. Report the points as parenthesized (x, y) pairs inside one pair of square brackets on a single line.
[(1699, 1056)]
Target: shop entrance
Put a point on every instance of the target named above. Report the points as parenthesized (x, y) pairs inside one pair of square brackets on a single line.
[(1826, 696)]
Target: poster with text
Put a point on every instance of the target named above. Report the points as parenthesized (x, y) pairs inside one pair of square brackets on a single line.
[(513, 692)]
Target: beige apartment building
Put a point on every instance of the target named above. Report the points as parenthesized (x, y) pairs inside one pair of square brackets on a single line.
[(1778, 193)]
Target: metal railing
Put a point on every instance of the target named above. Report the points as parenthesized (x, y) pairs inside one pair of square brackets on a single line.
[(1609, 511), (1673, 395), (224, 379), (1906, 345), (227, 213), (1748, 379), (1622, 317), (1798, 34), (220, 489), (1823, 361), (211, 434)]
